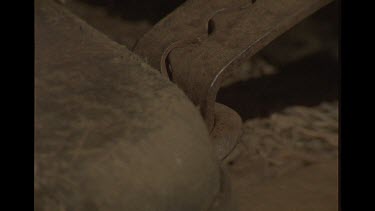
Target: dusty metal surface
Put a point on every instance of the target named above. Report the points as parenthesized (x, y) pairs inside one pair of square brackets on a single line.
[(198, 44), (226, 131)]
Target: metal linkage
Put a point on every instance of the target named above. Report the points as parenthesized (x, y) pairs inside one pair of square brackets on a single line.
[(199, 43)]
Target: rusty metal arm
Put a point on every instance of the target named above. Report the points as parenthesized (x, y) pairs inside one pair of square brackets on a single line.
[(202, 47), (199, 43)]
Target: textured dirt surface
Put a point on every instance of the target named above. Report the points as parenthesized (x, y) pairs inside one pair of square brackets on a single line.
[(296, 137), (307, 189), (288, 161), (287, 155)]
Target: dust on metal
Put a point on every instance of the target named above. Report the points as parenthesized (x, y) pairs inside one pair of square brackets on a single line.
[(199, 43)]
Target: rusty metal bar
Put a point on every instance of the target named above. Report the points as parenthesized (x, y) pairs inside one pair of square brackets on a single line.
[(199, 43), (186, 22), (206, 39)]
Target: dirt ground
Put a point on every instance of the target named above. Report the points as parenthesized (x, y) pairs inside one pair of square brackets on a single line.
[(287, 96), (288, 161), (310, 188), (287, 158)]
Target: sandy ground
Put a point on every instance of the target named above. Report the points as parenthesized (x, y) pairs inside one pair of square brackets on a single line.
[(309, 189), (288, 161), (287, 158), (288, 153)]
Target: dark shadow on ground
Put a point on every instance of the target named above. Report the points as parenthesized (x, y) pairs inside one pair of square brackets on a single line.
[(134, 10), (307, 82)]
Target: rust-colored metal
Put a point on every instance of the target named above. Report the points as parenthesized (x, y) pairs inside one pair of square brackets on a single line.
[(226, 131), (199, 43)]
